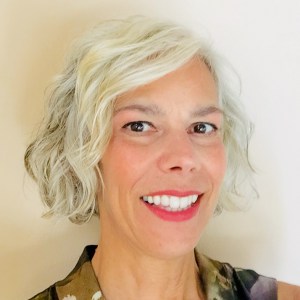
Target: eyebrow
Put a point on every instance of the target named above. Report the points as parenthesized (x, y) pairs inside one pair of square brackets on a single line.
[(207, 110), (147, 109), (155, 110)]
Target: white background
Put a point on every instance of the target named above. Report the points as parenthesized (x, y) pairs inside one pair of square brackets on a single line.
[(261, 38)]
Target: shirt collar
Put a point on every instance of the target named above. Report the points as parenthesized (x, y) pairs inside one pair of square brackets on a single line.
[(82, 282)]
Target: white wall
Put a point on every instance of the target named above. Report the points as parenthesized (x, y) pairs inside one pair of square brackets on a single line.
[(262, 40)]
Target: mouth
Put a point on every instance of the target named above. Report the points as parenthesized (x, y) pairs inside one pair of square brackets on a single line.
[(171, 203)]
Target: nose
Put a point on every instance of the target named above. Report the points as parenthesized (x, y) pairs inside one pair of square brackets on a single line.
[(178, 154)]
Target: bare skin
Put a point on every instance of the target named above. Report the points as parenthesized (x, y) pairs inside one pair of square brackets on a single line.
[(288, 291), (146, 278), (143, 256)]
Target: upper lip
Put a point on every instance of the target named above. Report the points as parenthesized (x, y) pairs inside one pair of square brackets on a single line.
[(178, 193)]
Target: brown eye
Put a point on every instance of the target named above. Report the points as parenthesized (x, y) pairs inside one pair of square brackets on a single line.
[(204, 128), (139, 126)]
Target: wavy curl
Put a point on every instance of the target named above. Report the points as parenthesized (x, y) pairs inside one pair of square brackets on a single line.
[(114, 57)]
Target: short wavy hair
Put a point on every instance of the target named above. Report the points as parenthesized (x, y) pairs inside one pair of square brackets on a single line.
[(114, 57)]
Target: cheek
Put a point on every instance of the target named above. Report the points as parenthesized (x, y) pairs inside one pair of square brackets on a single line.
[(125, 162), (217, 162)]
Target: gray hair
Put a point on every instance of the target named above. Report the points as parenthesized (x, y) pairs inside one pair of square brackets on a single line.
[(114, 57)]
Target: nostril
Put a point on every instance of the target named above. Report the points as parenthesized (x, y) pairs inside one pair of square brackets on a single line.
[(176, 168), (181, 159)]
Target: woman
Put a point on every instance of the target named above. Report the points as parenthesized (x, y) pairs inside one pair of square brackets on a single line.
[(143, 128)]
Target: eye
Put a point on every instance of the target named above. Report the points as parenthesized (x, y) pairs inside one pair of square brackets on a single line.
[(204, 128), (138, 126)]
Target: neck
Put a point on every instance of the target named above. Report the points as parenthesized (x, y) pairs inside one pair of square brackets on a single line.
[(126, 273)]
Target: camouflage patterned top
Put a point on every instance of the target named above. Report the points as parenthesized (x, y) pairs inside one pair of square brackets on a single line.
[(220, 281)]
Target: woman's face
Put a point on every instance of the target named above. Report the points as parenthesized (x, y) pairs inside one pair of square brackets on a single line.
[(164, 164)]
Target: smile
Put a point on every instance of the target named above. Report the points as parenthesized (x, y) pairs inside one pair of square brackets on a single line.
[(171, 203)]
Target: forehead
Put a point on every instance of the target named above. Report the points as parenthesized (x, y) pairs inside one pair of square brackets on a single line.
[(191, 84)]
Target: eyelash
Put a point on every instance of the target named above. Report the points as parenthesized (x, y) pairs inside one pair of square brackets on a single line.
[(137, 123), (213, 129)]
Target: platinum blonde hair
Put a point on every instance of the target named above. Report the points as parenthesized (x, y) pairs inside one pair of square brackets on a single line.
[(114, 57)]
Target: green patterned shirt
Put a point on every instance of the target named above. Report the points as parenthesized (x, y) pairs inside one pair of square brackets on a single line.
[(220, 281)]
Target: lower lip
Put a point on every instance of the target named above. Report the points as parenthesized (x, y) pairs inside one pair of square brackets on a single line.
[(174, 216)]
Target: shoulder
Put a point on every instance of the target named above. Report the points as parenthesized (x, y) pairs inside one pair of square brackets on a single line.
[(81, 283), (258, 286), (288, 291), (48, 294), (222, 281)]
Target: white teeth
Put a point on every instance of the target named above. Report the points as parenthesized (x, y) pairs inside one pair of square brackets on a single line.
[(194, 198), (150, 199), (165, 200), (184, 202), (156, 200), (171, 203), (174, 202)]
